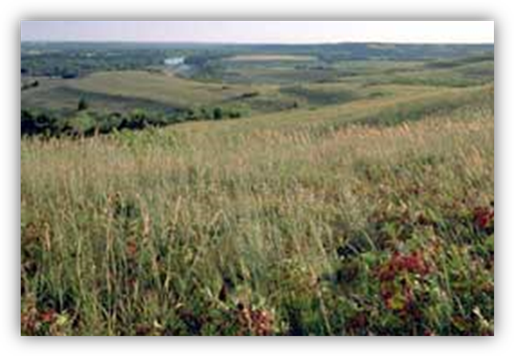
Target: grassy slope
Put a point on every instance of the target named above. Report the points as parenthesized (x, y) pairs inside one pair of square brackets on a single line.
[(130, 89), (394, 100), (235, 227), (157, 87), (365, 72), (279, 86)]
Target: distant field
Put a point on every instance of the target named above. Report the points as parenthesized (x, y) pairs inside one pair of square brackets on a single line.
[(269, 58), (253, 87), (132, 89), (355, 71), (167, 89), (56, 94)]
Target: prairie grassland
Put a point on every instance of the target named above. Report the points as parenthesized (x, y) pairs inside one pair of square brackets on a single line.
[(318, 222), (154, 86), (462, 76), (395, 104), (126, 90), (255, 87)]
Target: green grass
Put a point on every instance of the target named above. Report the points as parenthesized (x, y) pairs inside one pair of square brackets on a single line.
[(65, 99), (323, 94), (127, 90), (449, 73), (256, 87), (464, 75), (157, 87), (240, 227)]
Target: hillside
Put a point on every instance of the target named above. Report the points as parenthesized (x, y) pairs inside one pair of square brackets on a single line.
[(223, 189)]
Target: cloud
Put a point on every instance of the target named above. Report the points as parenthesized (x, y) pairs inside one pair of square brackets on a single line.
[(4, 5)]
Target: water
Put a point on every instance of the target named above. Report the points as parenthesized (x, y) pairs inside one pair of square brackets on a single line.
[(177, 65), (174, 61)]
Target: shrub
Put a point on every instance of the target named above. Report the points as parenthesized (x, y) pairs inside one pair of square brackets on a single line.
[(82, 105), (85, 122), (217, 114)]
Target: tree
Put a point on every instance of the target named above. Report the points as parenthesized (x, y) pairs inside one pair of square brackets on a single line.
[(82, 105), (28, 123), (217, 113)]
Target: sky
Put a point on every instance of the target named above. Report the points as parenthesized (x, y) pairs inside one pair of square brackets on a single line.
[(261, 31)]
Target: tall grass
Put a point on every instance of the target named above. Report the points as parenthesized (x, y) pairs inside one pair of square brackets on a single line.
[(263, 231)]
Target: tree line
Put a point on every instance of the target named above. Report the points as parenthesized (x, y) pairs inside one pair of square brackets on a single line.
[(86, 122)]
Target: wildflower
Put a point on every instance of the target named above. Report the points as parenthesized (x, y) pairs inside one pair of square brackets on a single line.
[(255, 321), (483, 217), (412, 263), (396, 287), (48, 316), (387, 273), (28, 322), (262, 322)]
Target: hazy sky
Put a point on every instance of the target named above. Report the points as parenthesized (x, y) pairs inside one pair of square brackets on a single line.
[(260, 31)]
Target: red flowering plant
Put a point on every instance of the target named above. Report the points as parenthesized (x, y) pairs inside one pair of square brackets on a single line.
[(46, 321), (404, 286), (254, 321), (483, 219)]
